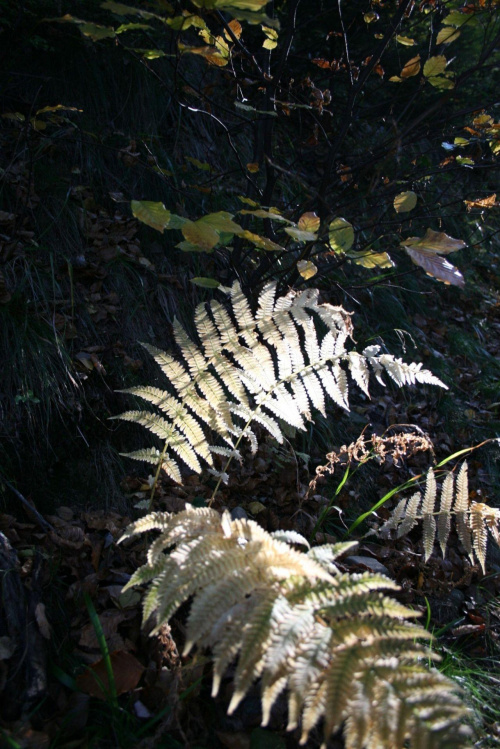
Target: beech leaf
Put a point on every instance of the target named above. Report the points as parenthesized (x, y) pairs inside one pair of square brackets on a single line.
[(435, 66), (436, 266), (151, 213), (405, 201), (201, 234), (411, 68), (307, 269), (340, 235), (309, 222), (434, 242), (126, 671)]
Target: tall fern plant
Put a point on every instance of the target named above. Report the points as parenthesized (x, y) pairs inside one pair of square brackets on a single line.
[(271, 367)]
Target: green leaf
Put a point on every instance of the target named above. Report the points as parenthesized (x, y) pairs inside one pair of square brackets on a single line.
[(300, 236), (221, 222), (457, 18), (340, 235), (371, 259), (205, 283), (439, 81), (435, 66), (201, 234), (405, 201), (95, 32), (151, 213), (126, 10), (405, 41), (447, 35), (131, 27)]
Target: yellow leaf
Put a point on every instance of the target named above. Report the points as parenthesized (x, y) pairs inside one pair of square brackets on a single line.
[(405, 41), (262, 243), (447, 35), (371, 259), (308, 222), (488, 202), (340, 235), (306, 269), (371, 17), (411, 68), (439, 81), (435, 66), (235, 27), (434, 242), (253, 167), (405, 201), (150, 213), (200, 234)]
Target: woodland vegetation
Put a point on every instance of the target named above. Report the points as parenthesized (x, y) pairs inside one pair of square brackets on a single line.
[(250, 354)]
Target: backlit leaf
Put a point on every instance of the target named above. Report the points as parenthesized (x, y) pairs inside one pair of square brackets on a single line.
[(441, 82), (435, 66), (435, 242), (253, 167), (488, 202), (95, 32), (436, 266), (205, 283), (406, 41), (201, 234), (126, 10), (151, 213), (271, 40), (457, 18), (262, 243), (411, 68), (308, 222), (307, 269), (236, 30), (371, 17), (221, 221), (371, 259), (447, 35), (405, 201), (300, 236), (340, 235)]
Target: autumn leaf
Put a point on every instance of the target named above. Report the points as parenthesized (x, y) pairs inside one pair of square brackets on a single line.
[(127, 672), (434, 66), (426, 252), (405, 201), (437, 267), (201, 234), (309, 222), (436, 242), (488, 202), (371, 259), (253, 167), (411, 68), (307, 269), (151, 213), (447, 35), (340, 235)]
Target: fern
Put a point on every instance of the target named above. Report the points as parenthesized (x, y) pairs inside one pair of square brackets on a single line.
[(473, 520), (270, 367), (347, 654)]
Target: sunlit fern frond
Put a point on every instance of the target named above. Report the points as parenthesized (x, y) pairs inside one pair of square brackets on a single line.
[(347, 655), (473, 520), (272, 366)]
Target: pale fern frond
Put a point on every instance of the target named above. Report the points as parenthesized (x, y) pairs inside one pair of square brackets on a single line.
[(335, 642), (462, 510), (444, 520), (271, 366), (428, 513), (472, 520)]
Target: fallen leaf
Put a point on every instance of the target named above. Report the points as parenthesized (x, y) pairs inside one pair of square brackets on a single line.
[(127, 672)]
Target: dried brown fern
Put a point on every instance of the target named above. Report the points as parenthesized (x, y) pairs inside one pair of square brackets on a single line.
[(347, 654), (473, 520)]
